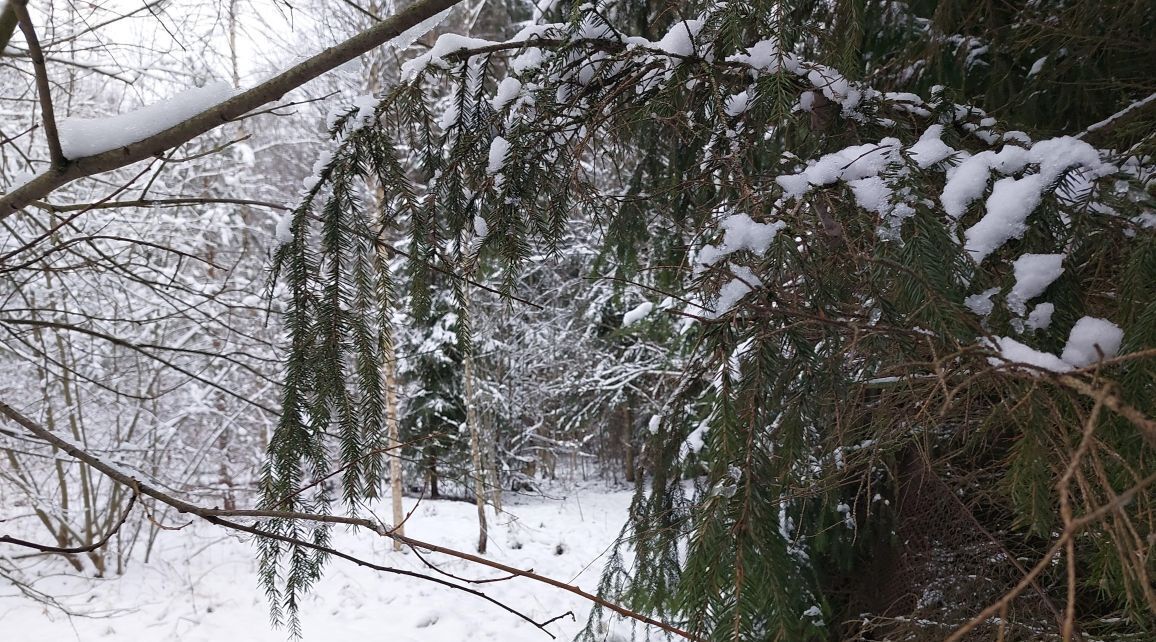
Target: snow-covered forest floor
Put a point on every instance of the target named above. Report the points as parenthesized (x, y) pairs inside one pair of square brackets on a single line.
[(201, 585)]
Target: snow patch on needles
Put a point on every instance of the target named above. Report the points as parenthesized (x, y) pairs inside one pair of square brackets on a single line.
[(981, 304), (1013, 351), (637, 314), (499, 149), (730, 294), (508, 90), (930, 148), (446, 44), (1041, 316), (1090, 337), (741, 232), (80, 137), (1034, 273), (849, 164), (366, 106), (1012, 199), (737, 104), (679, 41), (1008, 207), (766, 56)]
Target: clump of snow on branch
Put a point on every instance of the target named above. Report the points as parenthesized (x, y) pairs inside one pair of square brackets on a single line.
[(80, 137), (981, 304), (930, 148), (849, 165), (499, 149), (679, 40), (741, 232), (637, 314), (450, 43), (481, 228), (1012, 199), (766, 56), (1040, 318), (508, 90), (734, 290), (1034, 273), (1013, 351), (1090, 338), (445, 45)]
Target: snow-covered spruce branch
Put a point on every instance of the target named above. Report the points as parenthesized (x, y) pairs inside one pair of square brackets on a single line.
[(40, 187), (220, 517)]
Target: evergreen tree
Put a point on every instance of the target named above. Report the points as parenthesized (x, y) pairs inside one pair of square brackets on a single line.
[(433, 418), (918, 362)]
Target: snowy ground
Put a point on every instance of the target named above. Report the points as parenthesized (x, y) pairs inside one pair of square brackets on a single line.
[(202, 585)]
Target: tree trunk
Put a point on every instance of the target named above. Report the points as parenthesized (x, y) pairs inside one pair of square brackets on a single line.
[(491, 442), (475, 451), (389, 360)]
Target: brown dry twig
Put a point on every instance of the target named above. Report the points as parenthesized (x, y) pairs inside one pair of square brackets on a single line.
[(62, 550)]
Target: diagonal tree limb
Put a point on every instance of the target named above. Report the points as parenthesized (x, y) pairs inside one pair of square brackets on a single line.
[(43, 185), (43, 91)]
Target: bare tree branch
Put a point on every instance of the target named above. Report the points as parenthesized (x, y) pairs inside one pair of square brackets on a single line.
[(20, 7)]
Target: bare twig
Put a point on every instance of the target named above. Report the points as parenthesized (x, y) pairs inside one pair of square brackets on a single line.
[(1065, 488), (1110, 398), (157, 202), (43, 548)]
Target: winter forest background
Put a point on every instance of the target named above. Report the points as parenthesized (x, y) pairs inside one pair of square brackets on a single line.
[(626, 319)]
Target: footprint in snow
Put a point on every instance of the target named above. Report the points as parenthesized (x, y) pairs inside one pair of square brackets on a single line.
[(428, 620)]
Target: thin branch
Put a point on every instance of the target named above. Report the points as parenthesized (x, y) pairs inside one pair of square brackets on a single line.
[(157, 202), (20, 7), (5, 539), (253, 530), (1111, 399), (363, 11), (141, 349)]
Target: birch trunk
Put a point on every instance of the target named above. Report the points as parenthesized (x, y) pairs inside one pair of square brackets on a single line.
[(388, 349), (475, 451), (389, 362)]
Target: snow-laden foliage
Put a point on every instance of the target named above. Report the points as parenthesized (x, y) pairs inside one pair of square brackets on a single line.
[(849, 266)]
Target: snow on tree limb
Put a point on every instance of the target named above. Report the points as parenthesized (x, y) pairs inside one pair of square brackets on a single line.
[(268, 91)]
